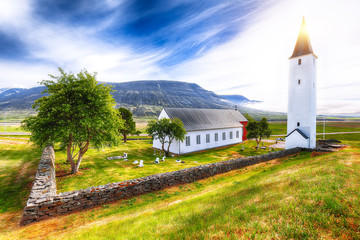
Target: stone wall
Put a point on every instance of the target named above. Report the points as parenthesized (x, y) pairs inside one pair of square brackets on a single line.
[(44, 202), (43, 189)]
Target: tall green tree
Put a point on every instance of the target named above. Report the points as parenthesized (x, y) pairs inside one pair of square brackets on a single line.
[(258, 130), (129, 126), (166, 130), (75, 112)]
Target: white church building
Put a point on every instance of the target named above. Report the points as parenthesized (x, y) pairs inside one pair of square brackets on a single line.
[(206, 128), (301, 122)]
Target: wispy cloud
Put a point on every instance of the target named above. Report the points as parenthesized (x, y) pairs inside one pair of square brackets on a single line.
[(230, 47), (257, 57)]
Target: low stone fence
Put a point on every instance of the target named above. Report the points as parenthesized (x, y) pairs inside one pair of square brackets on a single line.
[(43, 189), (44, 202)]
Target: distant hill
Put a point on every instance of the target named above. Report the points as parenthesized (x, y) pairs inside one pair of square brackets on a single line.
[(149, 97), (144, 98), (239, 99), (19, 98)]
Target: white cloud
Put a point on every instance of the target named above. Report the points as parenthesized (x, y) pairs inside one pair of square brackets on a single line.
[(14, 13), (258, 56), (52, 45), (256, 59)]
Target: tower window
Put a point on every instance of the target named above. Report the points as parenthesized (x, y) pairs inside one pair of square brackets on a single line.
[(299, 61), (298, 124), (299, 81)]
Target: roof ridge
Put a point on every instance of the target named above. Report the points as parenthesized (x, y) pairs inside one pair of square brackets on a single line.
[(299, 131)]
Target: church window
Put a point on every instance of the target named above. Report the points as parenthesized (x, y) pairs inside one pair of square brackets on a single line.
[(223, 136), (231, 135), (298, 124), (198, 139), (299, 81), (237, 134), (216, 137), (187, 140), (207, 138), (299, 61)]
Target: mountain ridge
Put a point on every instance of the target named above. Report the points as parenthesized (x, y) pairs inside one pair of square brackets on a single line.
[(143, 97)]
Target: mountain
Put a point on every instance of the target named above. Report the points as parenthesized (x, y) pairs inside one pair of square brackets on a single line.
[(143, 98), (239, 99), (149, 97), (19, 98)]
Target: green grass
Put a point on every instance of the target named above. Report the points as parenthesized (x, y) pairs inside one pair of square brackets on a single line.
[(291, 198), (15, 116), (18, 164), (96, 170), (12, 128), (300, 198), (279, 128)]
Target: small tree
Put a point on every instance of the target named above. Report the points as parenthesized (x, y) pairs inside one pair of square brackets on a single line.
[(166, 130), (258, 130), (129, 126), (76, 112)]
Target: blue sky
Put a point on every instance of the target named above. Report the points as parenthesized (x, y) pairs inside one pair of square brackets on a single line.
[(230, 47)]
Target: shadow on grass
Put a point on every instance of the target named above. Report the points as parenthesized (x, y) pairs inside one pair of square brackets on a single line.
[(17, 174)]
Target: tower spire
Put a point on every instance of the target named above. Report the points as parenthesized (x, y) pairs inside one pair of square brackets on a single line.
[(303, 44)]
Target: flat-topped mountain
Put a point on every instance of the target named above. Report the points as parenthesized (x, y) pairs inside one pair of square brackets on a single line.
[(166, 94), (145, 97)]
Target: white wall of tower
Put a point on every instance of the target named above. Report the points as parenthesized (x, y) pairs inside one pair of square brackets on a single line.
[(302, 98)]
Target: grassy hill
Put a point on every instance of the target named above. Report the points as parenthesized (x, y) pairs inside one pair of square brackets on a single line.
[(302, 196)]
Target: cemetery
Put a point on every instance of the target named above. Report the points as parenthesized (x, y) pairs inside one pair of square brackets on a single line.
[(44, 201), (97, 170)]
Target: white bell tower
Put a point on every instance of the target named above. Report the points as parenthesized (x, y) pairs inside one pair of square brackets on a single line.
[(301, 119)]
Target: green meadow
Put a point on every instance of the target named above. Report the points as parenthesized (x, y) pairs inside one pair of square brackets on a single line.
[(279, 127), (304, 196), (96, 170)]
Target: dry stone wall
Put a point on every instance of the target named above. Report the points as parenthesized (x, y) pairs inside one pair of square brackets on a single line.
[(44, 202)]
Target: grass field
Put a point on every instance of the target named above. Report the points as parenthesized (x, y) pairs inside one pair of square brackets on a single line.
[(279, 128), (96, 170), (11, 128), (298, 197)]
